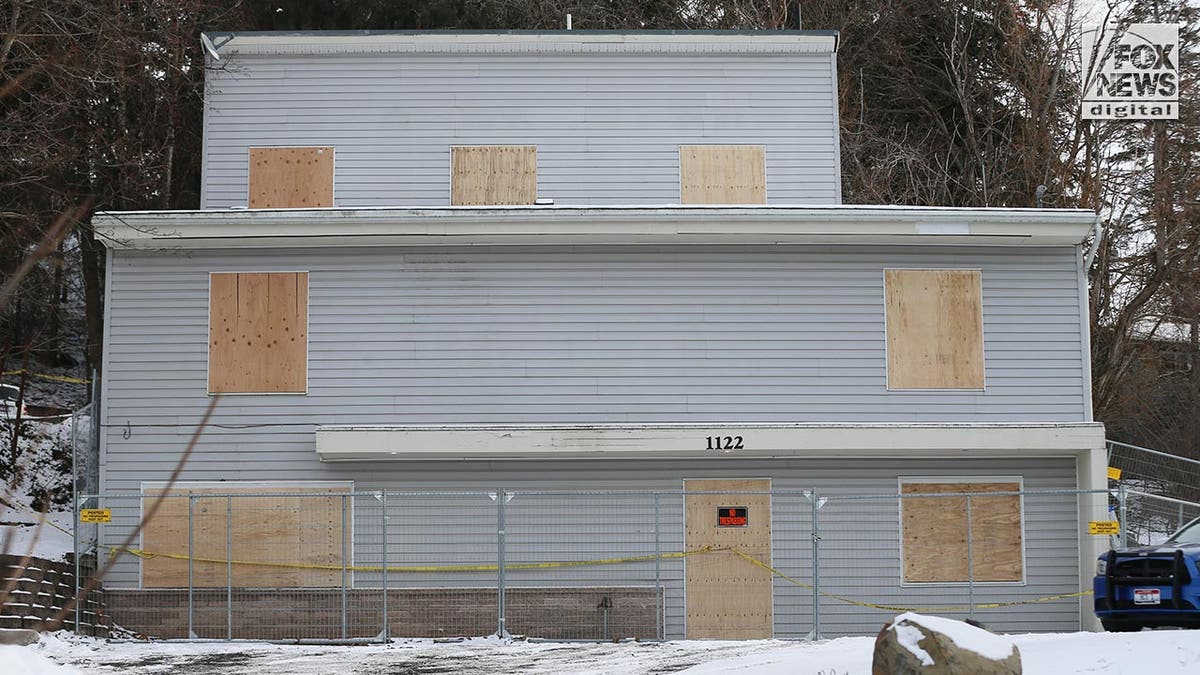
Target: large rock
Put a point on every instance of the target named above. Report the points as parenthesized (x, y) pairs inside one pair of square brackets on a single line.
[(932, 645)]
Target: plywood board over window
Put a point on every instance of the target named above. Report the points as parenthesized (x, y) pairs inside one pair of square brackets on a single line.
[(934, 329), (722, 174), (935, 533), (728, 597), (292, 541), (291, 178), (258, 332), (493, 175)]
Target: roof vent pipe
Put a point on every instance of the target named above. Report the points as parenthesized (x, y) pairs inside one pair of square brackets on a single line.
[(568, 22)]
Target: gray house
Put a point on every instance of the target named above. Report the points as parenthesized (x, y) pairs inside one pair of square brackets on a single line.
[(566, 276)]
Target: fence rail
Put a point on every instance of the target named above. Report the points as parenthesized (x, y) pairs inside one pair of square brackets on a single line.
[(324, 564)]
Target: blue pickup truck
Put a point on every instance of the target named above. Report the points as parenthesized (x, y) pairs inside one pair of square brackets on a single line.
[(1151, 586)]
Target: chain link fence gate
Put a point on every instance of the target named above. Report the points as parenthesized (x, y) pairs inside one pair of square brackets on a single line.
[(229, 563)]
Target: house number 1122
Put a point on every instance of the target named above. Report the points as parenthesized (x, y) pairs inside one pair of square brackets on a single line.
[(725, 443)]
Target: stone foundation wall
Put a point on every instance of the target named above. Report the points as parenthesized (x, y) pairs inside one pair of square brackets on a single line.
[(590, 613)]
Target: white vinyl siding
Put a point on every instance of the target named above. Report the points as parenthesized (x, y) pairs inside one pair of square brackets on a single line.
[(607, 126)]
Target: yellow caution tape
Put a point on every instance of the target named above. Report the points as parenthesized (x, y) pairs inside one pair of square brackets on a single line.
[(675, 555), (897, 608), (43, 520), (405, 569), (47, 376)]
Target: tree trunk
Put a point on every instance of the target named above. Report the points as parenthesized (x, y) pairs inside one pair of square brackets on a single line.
[(93, 284)]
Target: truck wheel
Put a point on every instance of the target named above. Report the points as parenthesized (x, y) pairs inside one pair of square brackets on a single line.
[(1120, 626)]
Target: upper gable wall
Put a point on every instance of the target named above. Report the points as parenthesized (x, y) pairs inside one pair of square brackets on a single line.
[(606, 112)]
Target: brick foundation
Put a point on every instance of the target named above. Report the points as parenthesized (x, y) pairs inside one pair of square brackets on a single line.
[(296, 614)]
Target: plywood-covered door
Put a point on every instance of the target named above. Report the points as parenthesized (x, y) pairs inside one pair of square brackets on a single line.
[(728, 597)]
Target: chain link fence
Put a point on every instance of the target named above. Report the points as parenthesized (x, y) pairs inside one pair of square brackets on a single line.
[(1151, 519), (228, 563), (85, 471), (1153, 493), (1155, 472)]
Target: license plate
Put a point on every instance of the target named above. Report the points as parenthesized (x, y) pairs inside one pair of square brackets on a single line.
[(1146, 596)]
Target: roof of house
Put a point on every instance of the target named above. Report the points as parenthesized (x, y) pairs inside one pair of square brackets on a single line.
[(576, 225), (486, 41)]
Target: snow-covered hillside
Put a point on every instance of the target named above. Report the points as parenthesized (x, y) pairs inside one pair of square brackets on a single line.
[(42, 469)]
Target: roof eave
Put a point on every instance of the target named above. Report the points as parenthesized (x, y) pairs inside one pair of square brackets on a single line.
[(453, 226)]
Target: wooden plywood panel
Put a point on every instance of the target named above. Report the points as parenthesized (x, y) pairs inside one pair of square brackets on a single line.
[(258, 332), (722, 174), (290, 178), (281, 534), (493, 175), (934, 329), (935, 532), (728, 597)]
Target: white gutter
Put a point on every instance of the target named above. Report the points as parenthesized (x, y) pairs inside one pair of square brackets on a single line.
[(570, 225)]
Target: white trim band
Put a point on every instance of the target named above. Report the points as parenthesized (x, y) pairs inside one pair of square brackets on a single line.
[(407, 443)]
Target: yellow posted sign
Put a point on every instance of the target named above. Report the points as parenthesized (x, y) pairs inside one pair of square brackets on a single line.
[(95, 515), (1104, 527), (1114, 473)]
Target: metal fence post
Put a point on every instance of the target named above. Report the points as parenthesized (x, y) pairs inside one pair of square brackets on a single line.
[(659, 628), (345, 534), (191, 571), (970, 563), (386, 624), (1179, 522), (228, 567), (501, 628), (75, 547), (816, 565), (1123, 514), (76, 503)]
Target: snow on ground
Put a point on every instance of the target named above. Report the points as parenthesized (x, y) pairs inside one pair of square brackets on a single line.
[(475, 656), (26, 661), (1163, 652), (47, 541)]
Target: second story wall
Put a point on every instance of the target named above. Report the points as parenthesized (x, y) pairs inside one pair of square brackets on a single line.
[(607, 113), (596, 335)]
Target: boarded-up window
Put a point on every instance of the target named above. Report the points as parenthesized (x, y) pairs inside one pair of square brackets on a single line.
[(935, 532), (258, 542), (291, 178), (722, 174), (493, 175), (258, 332), (934, 329)]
